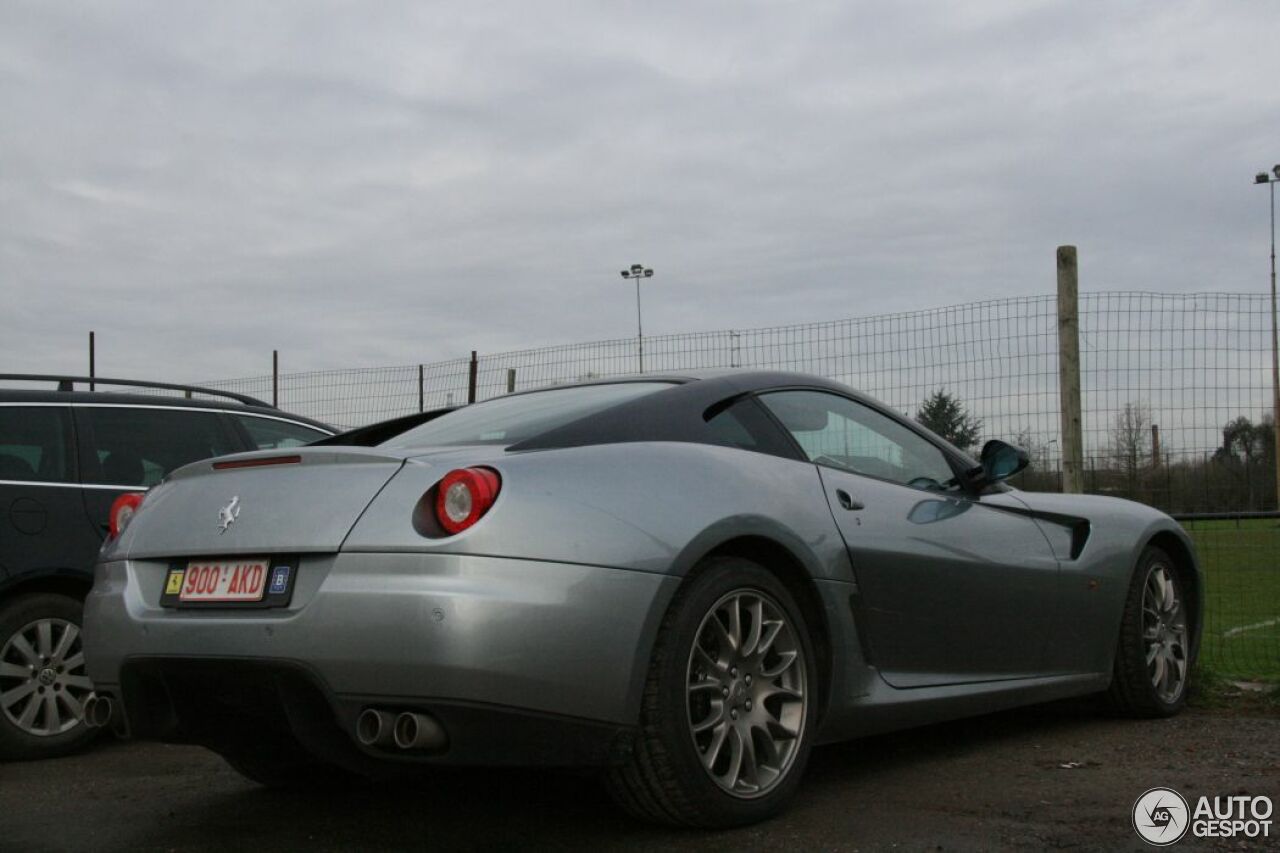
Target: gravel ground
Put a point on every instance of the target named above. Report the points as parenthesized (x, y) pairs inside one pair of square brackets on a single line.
[(1054, 776)]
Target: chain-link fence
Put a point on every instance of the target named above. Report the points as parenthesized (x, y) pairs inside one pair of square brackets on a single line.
[(1176, 393)]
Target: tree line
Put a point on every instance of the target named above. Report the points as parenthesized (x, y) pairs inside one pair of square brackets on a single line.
[(1237, 476)]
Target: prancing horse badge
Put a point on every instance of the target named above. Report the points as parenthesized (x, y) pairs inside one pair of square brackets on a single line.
[(228, 514)]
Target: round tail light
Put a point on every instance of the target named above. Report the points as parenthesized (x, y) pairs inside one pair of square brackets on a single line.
[(464, 496), (122, 512)]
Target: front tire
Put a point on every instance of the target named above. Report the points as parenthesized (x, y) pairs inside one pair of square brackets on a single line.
[(729, 705), (1152, 661), (43, 684)]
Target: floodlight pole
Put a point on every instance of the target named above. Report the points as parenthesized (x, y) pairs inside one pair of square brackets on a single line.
[(1270, 181), (637, 272)]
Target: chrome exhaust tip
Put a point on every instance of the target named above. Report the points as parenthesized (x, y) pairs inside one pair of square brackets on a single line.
[(375, 728), (97, 711), (419, 731)]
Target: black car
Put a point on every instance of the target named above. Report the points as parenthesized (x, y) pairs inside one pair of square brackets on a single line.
[(65, 456)]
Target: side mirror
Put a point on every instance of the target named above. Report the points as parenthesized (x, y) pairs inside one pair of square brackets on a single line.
[(1000, 460)]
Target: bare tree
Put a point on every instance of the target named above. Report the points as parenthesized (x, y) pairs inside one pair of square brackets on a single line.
[(1039, 475), (1130, 442)]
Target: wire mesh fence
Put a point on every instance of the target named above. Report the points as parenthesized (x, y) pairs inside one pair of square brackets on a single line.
[(1241, 636), (1176, 393)]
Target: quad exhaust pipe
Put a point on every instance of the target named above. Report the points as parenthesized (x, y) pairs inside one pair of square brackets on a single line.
[(375, 728), (408, 730), (419, 731)]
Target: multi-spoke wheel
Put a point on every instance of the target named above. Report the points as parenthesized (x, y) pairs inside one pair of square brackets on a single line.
[(746, 678), (1153, 654), (43, 684), (1164, 631), (728, 707)]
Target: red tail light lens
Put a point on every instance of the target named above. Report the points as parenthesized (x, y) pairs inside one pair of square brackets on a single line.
[(122, 512), (464, 496)]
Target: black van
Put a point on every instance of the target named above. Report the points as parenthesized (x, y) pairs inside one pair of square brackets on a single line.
[(65, 456)]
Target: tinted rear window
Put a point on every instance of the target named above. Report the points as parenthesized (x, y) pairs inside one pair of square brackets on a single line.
[(33, 444), (508, 420), (137, 446), (271, 434)]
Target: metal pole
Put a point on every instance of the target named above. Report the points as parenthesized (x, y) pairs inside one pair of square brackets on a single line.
[(1275, 348), (640, 328), (91, 353), (275, 378), (420, 391), (511, 379), (473, 373), (1069, 370)]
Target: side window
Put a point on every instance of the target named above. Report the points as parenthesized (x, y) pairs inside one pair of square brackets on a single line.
[(136, 446), (268, 434), (838, 432), (728, 429), (34, 442), (744, 425)]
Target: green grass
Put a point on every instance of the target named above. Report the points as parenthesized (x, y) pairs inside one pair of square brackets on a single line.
[(1213, 692), (1241, 563)]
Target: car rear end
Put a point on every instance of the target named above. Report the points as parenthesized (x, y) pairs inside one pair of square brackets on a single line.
[(334, 599)]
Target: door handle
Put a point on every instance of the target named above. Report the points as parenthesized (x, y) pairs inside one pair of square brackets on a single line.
[(848, 502)]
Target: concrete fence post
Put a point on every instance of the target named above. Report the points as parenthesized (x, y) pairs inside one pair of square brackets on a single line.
[(1069, 370)]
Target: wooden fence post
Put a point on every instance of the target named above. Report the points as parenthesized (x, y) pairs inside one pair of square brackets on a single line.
[(1069, 370)]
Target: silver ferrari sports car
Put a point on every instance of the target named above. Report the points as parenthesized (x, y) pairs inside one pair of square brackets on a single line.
[(686, 581)]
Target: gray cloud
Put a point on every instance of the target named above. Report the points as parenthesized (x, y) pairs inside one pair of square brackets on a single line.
[(363, 184)]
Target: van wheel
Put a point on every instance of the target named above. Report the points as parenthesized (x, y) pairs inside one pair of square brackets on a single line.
[(43, 685)]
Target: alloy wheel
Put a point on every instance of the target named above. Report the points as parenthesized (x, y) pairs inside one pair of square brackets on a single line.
[(43, 685), (746, 693), (1164, 633)]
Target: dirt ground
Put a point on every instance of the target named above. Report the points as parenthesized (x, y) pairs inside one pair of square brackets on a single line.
[(1055, 776)]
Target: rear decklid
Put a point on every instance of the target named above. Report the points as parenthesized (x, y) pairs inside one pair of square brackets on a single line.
[(303, 500)]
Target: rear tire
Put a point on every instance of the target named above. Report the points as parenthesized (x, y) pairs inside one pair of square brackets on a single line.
[(1152, 662), (729, 706), (42, 679)]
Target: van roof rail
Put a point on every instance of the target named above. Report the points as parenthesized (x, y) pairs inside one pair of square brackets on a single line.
[(67, 383)]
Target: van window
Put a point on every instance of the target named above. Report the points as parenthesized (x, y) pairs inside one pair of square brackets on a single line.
[(270, 434), (137, 446), (33, 444)]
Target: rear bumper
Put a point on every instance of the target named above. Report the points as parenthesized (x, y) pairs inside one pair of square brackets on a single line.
[(521, 661)]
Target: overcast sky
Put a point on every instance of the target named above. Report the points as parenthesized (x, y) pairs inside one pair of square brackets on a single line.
[(362, 184)]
